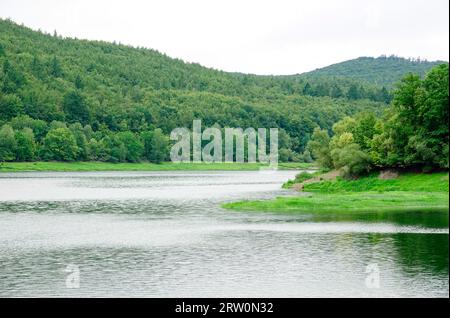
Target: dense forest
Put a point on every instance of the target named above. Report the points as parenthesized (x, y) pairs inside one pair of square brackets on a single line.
[(412, 133), (382, 70), (68, 99)]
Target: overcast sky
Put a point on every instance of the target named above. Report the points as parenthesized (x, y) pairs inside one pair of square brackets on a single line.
[(261, 37)]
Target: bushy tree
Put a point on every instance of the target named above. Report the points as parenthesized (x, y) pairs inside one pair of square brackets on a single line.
[(26, 145), (7, 143), (353, 161), (10, 106), (133, 144), (97, 150), (156, 145), (13, 79), (319, 145), (75, 108), (116, 150), (78, 132), (59, 144), (415, 131), (38, 127)]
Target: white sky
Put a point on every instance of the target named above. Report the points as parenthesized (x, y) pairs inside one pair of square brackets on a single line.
[(261, 37)]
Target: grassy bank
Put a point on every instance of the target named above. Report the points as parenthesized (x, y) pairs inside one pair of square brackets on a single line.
[(408, 192), (166, 166)]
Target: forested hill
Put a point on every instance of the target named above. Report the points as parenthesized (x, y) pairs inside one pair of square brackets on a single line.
[(383, 70), (110, 97)]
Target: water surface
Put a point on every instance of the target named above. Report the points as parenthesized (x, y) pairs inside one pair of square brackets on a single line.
[(164, 235)]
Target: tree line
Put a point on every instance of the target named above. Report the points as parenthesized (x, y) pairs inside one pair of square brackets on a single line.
[(113, 92), (412, 133), (28, 139)]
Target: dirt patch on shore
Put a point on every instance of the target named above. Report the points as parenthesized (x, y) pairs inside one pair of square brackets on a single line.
[(388, 174), (332, 175)]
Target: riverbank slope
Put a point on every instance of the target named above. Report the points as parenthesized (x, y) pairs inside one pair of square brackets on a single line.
[(406, 192)]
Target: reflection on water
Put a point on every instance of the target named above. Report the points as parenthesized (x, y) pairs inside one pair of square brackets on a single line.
[(429, 219), (164, 234)]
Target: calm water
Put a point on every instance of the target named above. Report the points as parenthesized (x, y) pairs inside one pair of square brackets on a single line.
[(165, 235)]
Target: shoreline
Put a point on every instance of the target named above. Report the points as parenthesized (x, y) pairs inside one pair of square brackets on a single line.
[(9, 167), (409, 192)]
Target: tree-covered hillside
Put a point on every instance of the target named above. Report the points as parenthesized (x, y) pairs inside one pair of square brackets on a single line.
[(69, 99), (413, 132), (383, 70)]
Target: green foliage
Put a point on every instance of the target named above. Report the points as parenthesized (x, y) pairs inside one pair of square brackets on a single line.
[(133, 145), (12, 78), (413, 132), (416, 182), (156, 145), (10, 106), (115, 88), (351, 160), (26, 145), (7, 143), (81, 140), (319, 145), (115, 149), (115, 93), (300, 178), (407, 193), (142, 166), (75, 108), (384, 70), (59, 144), (351, 203), (39, 127)]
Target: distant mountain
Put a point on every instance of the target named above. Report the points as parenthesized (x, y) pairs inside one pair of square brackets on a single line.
[(50, 81), (383, 70)]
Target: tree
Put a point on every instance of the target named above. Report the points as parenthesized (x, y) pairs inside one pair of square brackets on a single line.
[(78, 132), (39, 127), (59, 144), (133, 145), (10, 106), (354, 92), (286, 155), (75, 108), (384, 95), (416, 132), (12, 79), (319, 146), (26, 145), (336, 91), (353, 161), (308, 90), (364, 129), (55, 68), (79, 84), (156, 145), (345, 125), (97, 150), (7, 143), (114, 147), (306, 156)]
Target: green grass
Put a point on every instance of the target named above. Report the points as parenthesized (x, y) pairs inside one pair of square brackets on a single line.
[(350, 202), (166, 166), (409, 192), (418, 182), (299, 178)]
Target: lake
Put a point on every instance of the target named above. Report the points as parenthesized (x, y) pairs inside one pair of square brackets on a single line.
[(164, 234)]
